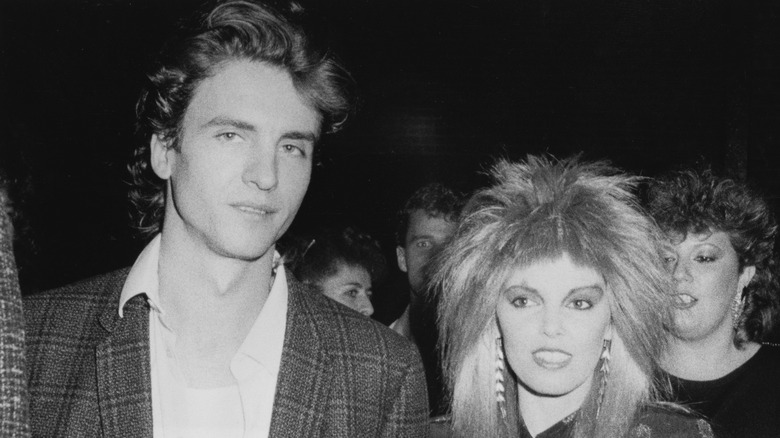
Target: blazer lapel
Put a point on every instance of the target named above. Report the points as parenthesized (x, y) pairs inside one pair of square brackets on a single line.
[(124, 371), (303, 386)]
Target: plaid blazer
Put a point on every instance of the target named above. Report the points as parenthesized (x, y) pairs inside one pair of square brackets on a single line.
[(341, 375)]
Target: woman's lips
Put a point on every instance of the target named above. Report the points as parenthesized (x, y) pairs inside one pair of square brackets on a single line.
[(684, 301), (551, 359)]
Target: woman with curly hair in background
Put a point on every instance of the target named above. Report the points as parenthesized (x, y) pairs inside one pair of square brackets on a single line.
[(727, 301), (343, 264)]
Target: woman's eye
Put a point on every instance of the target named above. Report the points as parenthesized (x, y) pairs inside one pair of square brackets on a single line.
[(581, 304), (352, 293), (521, 302), (705, 259)]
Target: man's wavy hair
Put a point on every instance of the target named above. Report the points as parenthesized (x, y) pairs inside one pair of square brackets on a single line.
[(313, 260), (435, 199), (537, 210), (231, 31), (696, 202)]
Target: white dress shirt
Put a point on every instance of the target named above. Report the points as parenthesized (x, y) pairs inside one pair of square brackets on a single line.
[(241, 410)]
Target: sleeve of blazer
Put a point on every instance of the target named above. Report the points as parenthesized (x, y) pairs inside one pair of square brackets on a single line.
[(14, 421), (408, 416)]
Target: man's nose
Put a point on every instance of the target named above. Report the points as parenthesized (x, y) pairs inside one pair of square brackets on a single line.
[(262, 169)]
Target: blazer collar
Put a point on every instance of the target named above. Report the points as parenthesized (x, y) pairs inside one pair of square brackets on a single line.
[(303, 387), (124, 384)]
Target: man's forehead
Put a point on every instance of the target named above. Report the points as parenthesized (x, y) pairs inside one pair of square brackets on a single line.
[(423, 223), (243, 86)]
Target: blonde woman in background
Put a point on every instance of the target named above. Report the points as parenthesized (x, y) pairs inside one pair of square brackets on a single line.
[(553, 306)]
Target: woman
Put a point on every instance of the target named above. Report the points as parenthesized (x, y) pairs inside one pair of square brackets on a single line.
[(552, 308), (342, 264), (723, 265)]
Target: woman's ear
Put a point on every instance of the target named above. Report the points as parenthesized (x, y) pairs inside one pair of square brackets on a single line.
[(161, 156)]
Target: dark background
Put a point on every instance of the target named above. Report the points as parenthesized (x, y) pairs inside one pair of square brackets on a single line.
[(446, 87)]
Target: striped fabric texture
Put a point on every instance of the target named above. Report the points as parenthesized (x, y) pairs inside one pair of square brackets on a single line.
[(13, 385)]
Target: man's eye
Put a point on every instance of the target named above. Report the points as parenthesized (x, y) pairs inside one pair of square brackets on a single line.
[(423, 244), (227, 136), (294, 150), (704, 259), (352, 293)]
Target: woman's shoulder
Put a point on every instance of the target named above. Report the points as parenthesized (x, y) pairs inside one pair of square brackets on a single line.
[(673, 421)]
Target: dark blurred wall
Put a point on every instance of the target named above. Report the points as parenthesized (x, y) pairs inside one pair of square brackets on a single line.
[(446, 87)]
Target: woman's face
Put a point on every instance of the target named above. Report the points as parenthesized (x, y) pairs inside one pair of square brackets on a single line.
[(350, 286), (706, 273), (554, 316)]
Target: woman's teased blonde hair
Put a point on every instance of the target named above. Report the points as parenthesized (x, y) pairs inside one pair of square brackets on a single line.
[(537, 210)]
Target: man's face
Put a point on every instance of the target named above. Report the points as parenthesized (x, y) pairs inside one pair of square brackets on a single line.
[(425, 237), (244, 161)]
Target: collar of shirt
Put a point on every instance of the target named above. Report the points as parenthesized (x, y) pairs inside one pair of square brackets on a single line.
[(144, 278), (263, 345)]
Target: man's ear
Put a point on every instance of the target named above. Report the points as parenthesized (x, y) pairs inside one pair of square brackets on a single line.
[(400, 254), (161, 158)]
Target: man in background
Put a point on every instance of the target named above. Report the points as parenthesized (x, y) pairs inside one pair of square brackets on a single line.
[(424, 225)]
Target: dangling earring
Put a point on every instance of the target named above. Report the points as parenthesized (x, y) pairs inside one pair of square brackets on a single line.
[(500, 366), (606, 355), (737, 305)]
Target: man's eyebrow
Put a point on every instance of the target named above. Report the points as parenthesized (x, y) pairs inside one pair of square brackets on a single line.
[(227, 121), (300, 135), (246, 126)]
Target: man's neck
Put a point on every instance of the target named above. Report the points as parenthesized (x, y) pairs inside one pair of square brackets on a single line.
[(210, 302), (191, 274)]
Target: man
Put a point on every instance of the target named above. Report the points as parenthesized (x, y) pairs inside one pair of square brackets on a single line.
[(425, 223), (206, 335)]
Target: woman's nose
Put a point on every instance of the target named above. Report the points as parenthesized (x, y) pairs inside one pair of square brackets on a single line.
[(364, 305), (681, 270), (552, 323)]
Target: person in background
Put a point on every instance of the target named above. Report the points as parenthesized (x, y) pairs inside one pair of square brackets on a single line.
[(206, 335), (424, 225), (14, 411), (552, 308), (342, 264), (727, 300)]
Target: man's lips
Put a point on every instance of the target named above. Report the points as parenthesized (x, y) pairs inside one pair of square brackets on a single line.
[(551, 359), (254, 209), (684, 301)]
